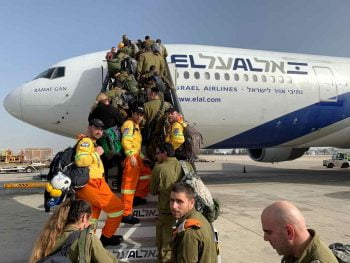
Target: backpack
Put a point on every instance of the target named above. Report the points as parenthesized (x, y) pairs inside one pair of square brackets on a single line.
[(128, 65), (341, 252), (190, 149), (111, 143), (61, 255), (64, 161), (205, 203)]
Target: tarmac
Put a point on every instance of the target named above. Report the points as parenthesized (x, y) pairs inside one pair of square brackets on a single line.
[(323, 196)]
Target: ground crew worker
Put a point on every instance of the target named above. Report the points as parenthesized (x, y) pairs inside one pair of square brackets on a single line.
[(97, 191), (165, 174), (193, 237), (136, 175), (70, 216), (175, 134), (285, 228)]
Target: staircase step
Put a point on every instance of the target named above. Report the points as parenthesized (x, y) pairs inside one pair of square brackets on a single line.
[(143, 229), (138, 249)]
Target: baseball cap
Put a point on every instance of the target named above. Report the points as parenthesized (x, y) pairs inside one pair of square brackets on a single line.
[(97, 123), (139, 109), (171, 109)]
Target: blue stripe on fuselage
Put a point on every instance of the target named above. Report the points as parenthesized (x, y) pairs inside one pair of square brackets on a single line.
[(290, 126)]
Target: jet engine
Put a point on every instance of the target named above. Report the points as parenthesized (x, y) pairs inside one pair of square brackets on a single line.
[(270, 155)]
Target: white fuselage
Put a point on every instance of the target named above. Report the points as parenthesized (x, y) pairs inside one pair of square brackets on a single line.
[(237, 98)]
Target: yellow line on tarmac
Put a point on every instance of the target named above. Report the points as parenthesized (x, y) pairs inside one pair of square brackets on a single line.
[(25, 185)]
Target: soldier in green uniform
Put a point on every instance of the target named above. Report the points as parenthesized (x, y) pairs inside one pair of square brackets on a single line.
[(70, 216), (147, 59), (193, 238), (165, 174), (285, 228)]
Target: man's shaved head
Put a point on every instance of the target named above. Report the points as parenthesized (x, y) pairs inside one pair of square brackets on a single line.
[(283, 213), (284, 227)]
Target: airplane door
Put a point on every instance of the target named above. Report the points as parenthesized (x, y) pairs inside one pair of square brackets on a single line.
[(327, 84)]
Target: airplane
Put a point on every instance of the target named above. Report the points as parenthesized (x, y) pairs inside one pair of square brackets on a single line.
[(275, 104)]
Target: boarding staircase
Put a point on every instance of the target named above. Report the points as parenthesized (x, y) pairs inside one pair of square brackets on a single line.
[(139, 243)]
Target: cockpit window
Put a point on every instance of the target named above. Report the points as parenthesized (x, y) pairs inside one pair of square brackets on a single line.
[(46, 74), (59, 72), (52, 73)]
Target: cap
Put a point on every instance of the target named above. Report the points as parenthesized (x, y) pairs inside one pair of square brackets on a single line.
[(97, 123), (139, 109), (171, 109)]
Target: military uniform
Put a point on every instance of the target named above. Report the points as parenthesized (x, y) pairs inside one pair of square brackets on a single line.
[(147, 59), (315, 252), (193, 240), (96, 191), (94, 250), (175, 135), (164, 176)]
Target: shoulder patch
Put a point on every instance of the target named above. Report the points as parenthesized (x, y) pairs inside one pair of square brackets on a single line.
[(176, 131), (125, 131), (85, 144)]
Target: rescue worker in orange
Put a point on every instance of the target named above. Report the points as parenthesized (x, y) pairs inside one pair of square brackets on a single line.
[(175, 134), (136, 176), (97, 191)]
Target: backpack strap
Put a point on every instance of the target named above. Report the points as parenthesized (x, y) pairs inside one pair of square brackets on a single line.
[(68, 243), (82, 244), (188, 175)]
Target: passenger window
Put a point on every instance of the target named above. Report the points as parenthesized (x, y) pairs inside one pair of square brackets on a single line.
[(46, 74), (59, 72), (186, 75), (196, 75), (227, 76), (273, 79), (263, 78), (245, 77), (289, 79), (207, 75), (236, 77), (217, 76), (280, 79), (255, 78)]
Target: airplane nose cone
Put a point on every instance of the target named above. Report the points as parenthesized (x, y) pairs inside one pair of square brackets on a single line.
[(12, 103)]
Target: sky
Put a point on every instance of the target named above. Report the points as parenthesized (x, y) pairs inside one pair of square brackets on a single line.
[(36, 34)]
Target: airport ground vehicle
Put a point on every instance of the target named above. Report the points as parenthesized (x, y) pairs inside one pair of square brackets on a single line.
[(22, 168), (338, 160)]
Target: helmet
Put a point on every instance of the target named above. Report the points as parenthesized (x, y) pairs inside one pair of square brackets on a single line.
[(61, 181), (121, 45)]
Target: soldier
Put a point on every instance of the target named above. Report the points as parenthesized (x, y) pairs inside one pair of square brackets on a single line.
[(111, 54), (193, 236), (175, 134), (147, 59), (167, 172), (163, 51), (285, 228), (136, 175)]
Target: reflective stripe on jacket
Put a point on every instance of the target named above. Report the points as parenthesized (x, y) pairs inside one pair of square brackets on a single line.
[(87, 157)]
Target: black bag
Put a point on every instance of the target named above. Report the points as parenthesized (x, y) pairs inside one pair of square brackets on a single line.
[(190, 149), (64, 161), (60, 255)]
